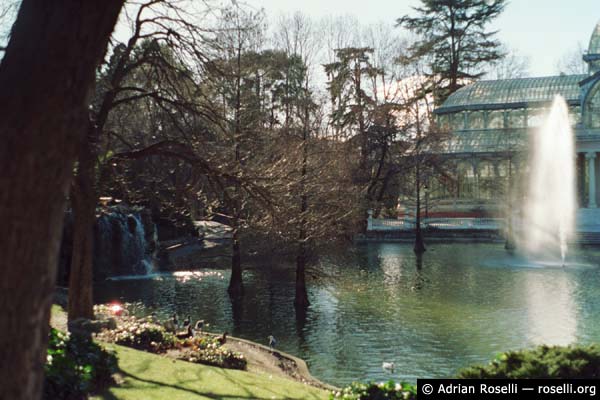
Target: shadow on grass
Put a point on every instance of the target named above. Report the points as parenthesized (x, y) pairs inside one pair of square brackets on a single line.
[(144, 376), (107, 395)]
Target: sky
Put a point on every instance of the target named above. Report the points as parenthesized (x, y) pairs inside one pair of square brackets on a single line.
[(543, 30)]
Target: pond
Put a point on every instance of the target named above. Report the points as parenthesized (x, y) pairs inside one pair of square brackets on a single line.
[(460, 304)]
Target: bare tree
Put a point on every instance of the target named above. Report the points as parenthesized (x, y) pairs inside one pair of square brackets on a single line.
[(298, 37), (236, 93), (421, 144), (512, 65), (154, 64), (571, 63), (338, 32)]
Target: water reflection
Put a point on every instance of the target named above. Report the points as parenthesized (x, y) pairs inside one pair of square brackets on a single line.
[(456, 305), (551, 308)]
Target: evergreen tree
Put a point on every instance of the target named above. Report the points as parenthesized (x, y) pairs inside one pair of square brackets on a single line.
[(453, 37)]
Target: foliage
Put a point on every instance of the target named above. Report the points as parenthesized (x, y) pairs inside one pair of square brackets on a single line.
[(208, 350), (376, 391), (76, 366), (570, 362), (348, 77), (454, 40), (543, 362), (139, 334)]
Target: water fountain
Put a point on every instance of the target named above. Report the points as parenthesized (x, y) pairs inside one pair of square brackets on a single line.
[(549, 209)]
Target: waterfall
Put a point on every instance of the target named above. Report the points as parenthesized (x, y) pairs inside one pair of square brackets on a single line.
[(123, 244)]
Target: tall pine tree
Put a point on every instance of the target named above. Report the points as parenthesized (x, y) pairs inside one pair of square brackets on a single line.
[(453, 37)]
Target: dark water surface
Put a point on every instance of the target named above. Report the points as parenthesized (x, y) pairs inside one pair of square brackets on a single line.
[(462, 304)]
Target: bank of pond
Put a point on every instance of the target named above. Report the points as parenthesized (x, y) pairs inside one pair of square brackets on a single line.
[(122, 362)]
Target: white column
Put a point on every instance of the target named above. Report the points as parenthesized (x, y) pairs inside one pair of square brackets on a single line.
[(591, 157), (475, 166)]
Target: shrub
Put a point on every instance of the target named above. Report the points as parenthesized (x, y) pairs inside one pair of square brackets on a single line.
[(76, 366), (542, 362), (141, 335), (376, 391)]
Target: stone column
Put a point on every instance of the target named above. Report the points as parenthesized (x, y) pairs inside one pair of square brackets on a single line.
[(591, 158), (580, 180)]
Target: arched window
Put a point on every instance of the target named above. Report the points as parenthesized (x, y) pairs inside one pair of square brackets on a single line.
[(516, 118), (487, 180), (465, 180), (574, 115), (496, 120), (592, 108), (476, 120), (535, 117), (458, 121)]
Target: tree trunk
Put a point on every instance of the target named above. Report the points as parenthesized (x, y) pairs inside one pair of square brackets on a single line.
[(46, 76), (83, 202), (419, 247), (301, 300), (236, 287)]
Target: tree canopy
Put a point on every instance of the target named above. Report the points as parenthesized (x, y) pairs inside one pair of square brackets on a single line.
[(453, 36)]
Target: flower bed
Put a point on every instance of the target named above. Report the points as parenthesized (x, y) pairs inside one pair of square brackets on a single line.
[(146, 334), (376, 391), (209, 351), (139, 334)]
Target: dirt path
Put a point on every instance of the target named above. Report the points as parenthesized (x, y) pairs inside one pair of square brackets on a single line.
[(262, 359)]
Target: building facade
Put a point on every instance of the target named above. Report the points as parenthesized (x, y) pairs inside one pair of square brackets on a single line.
[(490, 123)]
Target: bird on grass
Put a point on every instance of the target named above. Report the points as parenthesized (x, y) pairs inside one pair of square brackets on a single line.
[(185, 334), (272, 342), (172, 324), (223, 339), (187, 321)]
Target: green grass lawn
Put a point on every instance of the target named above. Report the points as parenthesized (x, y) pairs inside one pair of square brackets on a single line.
[(148, 376)]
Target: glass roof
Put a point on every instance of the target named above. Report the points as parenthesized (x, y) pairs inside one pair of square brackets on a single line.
[(512, 93), (485, 141)]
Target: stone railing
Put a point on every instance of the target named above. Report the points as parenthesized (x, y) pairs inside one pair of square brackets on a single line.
[(464, 223), (406, 224)]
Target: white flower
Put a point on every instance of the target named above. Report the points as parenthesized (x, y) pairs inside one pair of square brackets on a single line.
[(398, 387), (49, 359)]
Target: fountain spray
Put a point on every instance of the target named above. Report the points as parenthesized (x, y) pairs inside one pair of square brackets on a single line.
[(550, 202)]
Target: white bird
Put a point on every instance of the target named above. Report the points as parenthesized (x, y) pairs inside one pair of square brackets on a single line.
[(272, 341), (388, 366)]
